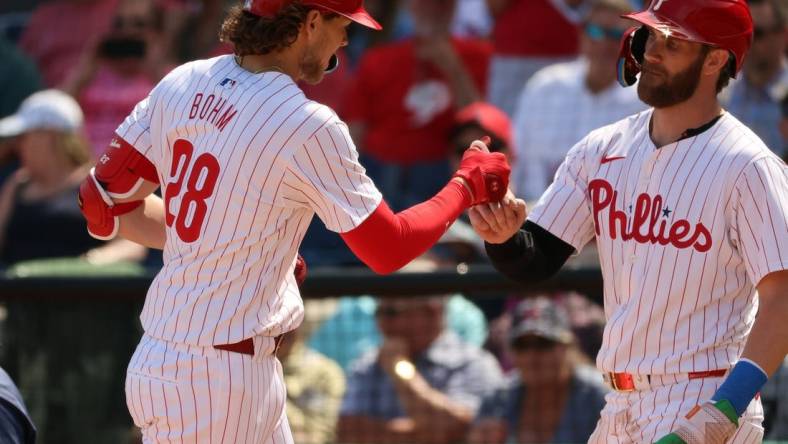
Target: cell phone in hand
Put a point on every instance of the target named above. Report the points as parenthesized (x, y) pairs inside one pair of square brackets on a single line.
[(122, 48)]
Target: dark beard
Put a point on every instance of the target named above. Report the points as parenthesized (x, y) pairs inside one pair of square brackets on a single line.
[(674, 90)]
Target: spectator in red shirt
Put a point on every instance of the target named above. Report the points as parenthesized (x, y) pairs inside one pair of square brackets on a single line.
[(120, 70), (401, 107), (60, 31), (527, 36)]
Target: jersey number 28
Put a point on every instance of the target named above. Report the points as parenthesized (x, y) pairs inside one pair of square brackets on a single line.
[(199, 187)]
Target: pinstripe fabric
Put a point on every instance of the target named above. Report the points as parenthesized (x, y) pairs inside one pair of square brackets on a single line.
[(245, 161), (280, 158), (685, 232), (178, 394), (645, 416)]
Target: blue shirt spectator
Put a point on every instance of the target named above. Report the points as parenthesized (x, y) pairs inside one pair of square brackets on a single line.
[(422, 384), (463, 372)]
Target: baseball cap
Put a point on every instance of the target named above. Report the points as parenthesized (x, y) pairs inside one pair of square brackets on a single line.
[(487, 117), (50, 109), (540, 316), (352, 9)]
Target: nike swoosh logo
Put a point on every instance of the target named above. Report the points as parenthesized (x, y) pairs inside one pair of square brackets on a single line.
[(610, 159)]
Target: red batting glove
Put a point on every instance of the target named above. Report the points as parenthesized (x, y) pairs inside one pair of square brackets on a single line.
[(300, 270), (485, 173)]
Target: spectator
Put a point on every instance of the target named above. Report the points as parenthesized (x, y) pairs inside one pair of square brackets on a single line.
[(401, 117), (754, 97), (60, 31), (16, 427), (119, 70), (527, 36), (351, 330), (19, 71), (423, 384), (477, 120), (39, 215), (563, 102), (553, 396)]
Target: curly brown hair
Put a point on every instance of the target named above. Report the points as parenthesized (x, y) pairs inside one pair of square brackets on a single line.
[(253, 35)]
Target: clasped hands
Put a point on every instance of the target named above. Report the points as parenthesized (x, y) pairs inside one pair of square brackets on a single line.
[(496, 214)]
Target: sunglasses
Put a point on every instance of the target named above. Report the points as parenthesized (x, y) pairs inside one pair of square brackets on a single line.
[(596, 32), (533, 343)]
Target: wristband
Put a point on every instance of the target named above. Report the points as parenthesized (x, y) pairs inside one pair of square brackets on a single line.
[(742, 384)]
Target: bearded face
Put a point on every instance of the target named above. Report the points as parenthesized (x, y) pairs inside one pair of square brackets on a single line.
[(312, 65), (660, 89)]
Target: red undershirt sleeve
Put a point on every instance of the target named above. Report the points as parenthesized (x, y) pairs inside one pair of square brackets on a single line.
[(386, 241)]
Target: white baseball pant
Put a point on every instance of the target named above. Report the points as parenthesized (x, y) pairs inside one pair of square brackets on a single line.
[(178, 393), (644, 416)]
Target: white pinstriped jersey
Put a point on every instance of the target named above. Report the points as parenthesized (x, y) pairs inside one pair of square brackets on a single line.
[(245, 161), (685, 232)]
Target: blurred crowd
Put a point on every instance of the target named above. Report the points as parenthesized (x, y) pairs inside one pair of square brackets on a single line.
[(534, 75)]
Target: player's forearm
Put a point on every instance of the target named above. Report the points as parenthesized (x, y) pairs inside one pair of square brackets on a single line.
[(531, 255), (387, 241), (145, 225), (767, 344)]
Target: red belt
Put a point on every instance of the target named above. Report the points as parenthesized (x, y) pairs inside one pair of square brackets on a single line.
[(246, 347), (625, 382)]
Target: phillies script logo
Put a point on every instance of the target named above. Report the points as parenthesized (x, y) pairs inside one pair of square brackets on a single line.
[(645, 219)]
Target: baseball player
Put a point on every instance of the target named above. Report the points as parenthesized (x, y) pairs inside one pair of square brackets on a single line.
[(244, 161), (690, 214)]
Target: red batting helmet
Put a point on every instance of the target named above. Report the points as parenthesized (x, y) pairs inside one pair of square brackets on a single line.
[(725, 24), (352, 9)]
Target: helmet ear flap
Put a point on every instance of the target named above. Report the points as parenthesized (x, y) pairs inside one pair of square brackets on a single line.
[(633, 46)]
